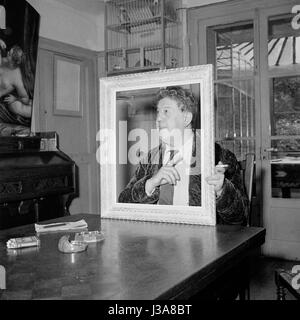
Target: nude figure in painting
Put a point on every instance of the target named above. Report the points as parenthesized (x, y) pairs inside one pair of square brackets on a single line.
[(15, 103)]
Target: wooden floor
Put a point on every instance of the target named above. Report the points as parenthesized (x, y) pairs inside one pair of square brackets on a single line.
[(262, 285)]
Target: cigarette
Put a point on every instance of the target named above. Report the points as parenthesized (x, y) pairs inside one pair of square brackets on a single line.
[(222, 165)]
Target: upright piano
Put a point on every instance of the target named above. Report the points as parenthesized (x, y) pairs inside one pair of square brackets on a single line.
[(37, 180)]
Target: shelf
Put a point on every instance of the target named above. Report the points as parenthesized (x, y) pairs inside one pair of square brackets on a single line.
[(119, 51), (132, 70), (126, 27)]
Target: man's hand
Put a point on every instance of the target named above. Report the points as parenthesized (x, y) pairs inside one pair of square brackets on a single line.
[(166, 174), (2, 44), (10, 99), (217, 180)]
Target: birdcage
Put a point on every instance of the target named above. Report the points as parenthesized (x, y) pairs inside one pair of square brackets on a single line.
[(143, 35)]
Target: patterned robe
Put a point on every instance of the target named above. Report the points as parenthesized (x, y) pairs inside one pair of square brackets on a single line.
[(231, 205)]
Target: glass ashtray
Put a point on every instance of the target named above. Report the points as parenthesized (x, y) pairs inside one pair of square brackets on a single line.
[(89, 236)]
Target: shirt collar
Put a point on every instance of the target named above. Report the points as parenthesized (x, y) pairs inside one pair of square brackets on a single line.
[(184, 151)]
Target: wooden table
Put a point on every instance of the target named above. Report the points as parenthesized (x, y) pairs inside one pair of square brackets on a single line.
[(137, 260)]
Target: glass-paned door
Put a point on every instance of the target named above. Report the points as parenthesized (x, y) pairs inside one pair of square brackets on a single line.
[(233, 57), (231, 51), (284, 82), (256, 54), (280, 80)]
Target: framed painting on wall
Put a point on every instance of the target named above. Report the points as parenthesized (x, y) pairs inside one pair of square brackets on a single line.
[(68, 80), (19, 36)]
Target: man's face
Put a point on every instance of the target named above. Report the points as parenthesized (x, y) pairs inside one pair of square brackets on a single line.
[(170, 118), (169, 115)]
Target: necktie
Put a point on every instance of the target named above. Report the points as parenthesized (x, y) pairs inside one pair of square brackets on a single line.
[(167, 190)]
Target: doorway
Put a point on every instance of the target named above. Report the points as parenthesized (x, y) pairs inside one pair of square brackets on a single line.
[(68, 105), (256, 56)]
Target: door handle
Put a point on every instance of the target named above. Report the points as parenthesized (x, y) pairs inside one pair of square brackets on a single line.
[(265, 154)]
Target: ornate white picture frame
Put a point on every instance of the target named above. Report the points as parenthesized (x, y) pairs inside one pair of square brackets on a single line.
[(112, 143)]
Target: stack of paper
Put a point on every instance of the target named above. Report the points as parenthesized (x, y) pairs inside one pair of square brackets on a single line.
[(61, 226)]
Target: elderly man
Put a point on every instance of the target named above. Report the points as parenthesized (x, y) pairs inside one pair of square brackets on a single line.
[(171, 173)]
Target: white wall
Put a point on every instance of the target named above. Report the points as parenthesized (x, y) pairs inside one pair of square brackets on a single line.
[(66, 24), (83, 28)]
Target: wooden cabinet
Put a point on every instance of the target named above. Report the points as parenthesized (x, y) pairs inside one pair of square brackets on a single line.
[(37, 180), (143, 35)]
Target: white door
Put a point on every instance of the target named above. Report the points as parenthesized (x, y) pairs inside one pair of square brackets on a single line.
[(280, 81), (68, 105), (256, 54), (230, 47)]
